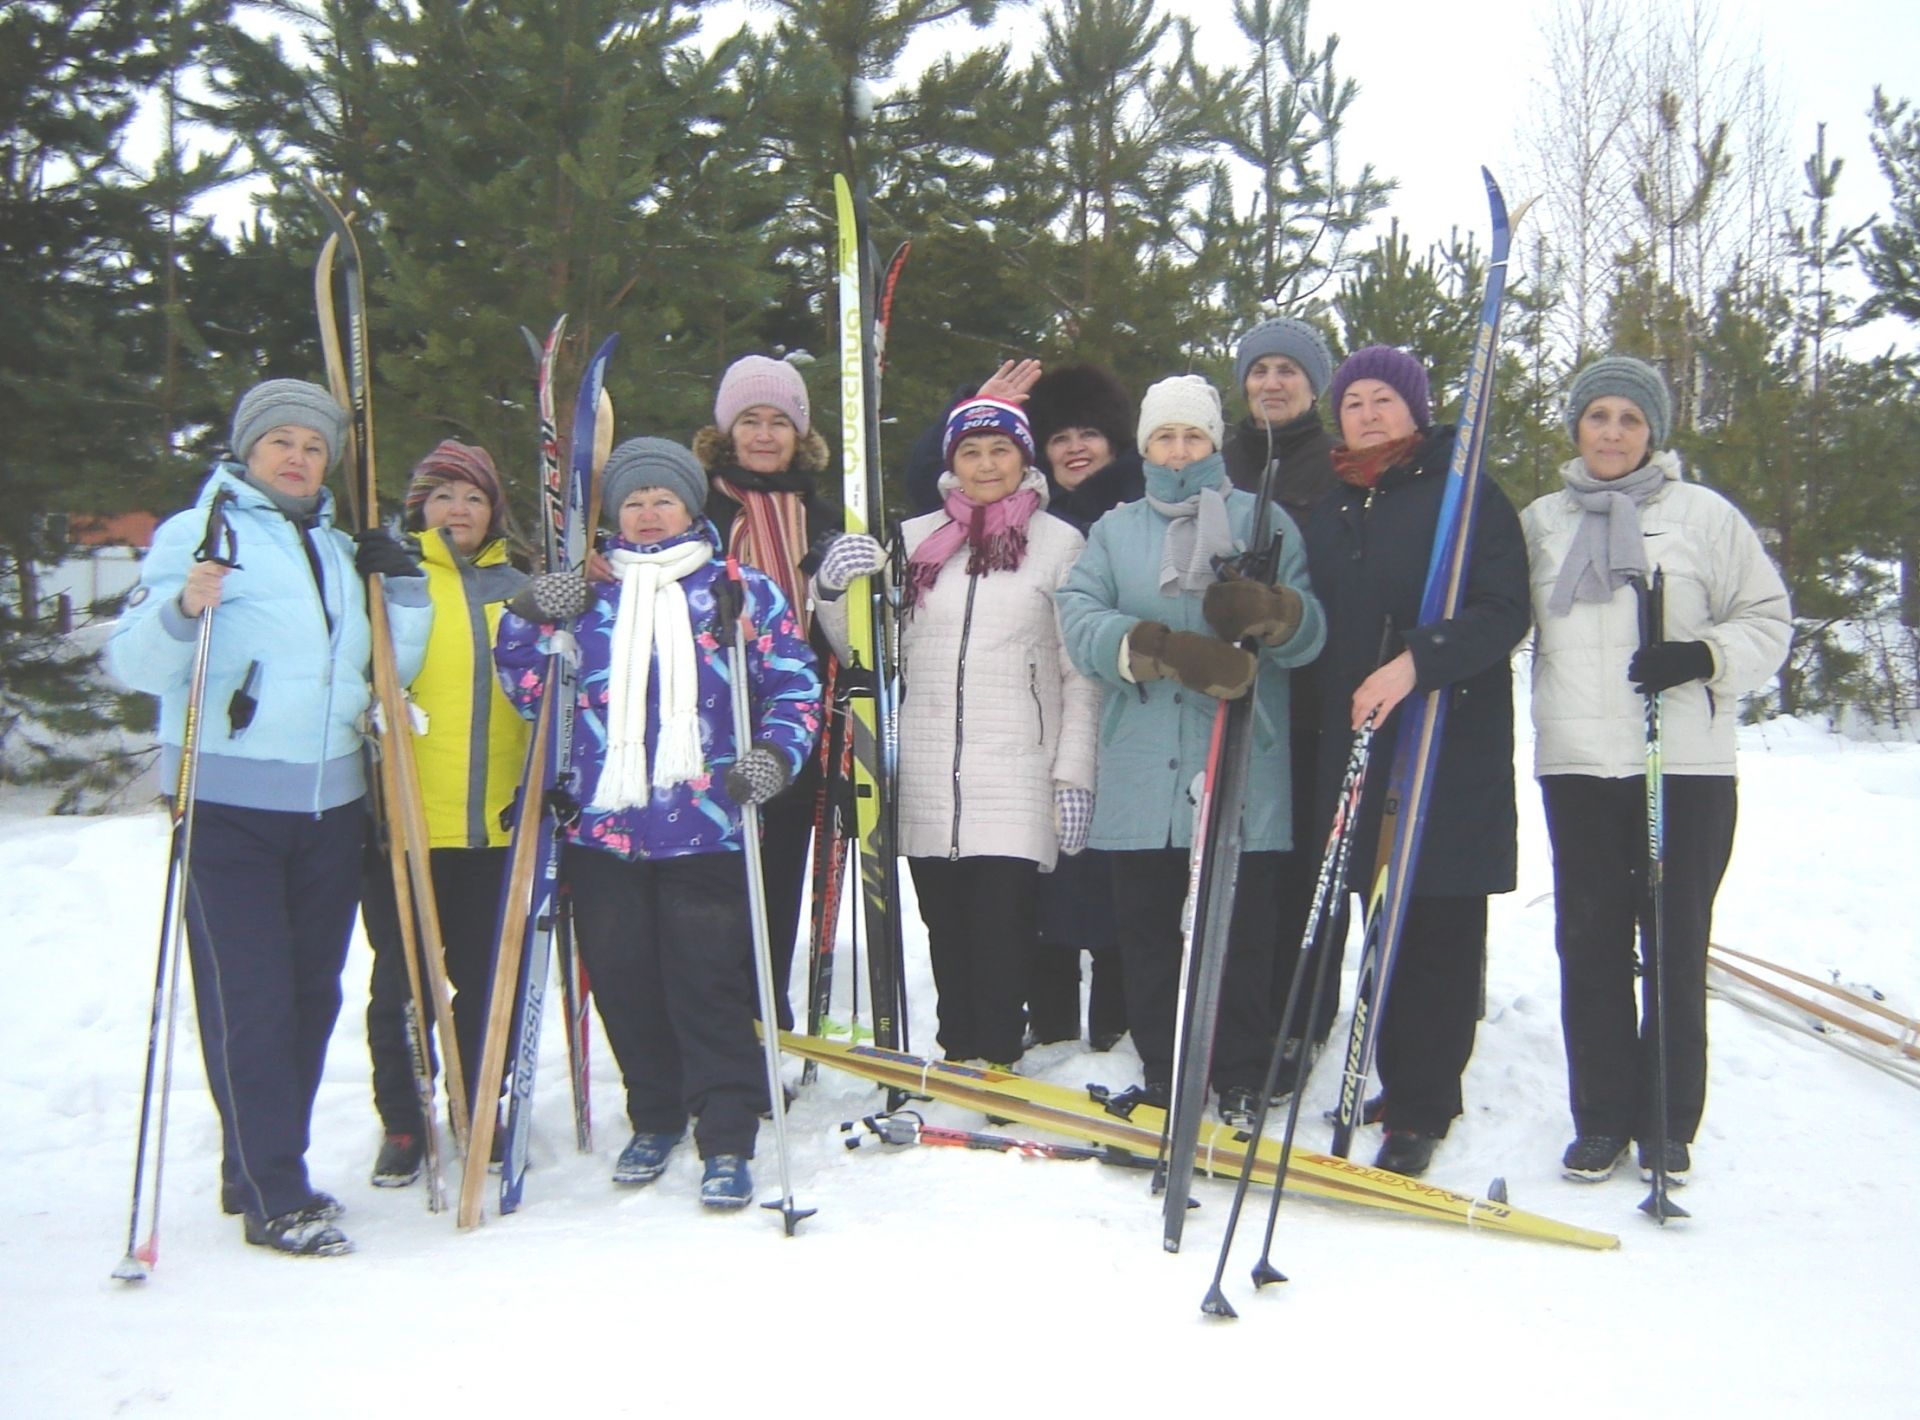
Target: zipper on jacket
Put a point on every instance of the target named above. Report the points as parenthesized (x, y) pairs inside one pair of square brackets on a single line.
[(1033, 689), (960, 711)]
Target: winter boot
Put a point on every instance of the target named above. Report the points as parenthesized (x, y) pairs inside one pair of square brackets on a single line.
[(1237, 1106), (1591, 1157), (1406, 1152), (324, 1204), (399, 1161), (726, 1183), (305, 1232), (645, 1157), (1679, 1161)]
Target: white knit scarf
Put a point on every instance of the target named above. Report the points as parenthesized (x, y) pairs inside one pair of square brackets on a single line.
[(652, 614)]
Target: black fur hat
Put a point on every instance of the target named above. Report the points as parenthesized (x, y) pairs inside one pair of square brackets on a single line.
[(1081, 396)]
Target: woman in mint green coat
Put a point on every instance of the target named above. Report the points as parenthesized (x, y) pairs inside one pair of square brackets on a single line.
[(1146, 614)]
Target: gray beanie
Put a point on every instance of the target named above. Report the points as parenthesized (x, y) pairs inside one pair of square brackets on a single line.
[(268, 406), (1291, 337), (1182, 399), (1630, 379), (652, 463)]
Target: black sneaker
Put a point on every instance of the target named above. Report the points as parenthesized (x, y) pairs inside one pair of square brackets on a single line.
[(1679, 1161), (1406, 1152), (1237, 1106), (305, 1232), (1103, 1041), (399, 1161), (1591, 1158)]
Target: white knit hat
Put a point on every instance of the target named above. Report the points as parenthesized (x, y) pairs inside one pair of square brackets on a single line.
[(1182, 399)]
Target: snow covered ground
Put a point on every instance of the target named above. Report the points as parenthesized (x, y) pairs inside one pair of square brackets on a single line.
[(936, 1281)]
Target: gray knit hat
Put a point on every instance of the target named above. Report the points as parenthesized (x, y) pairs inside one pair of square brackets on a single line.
[(1182, 399), (268, 406), (1630, 379), (652, 463), (1291, 337)]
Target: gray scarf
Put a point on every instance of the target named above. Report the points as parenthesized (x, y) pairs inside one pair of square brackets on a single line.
[(1193, 500), (1607, 550)]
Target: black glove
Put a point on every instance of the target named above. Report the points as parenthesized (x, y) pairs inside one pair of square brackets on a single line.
[(551, 599), (378, 553), (756, 776), (1237, 607), (1665, 664)]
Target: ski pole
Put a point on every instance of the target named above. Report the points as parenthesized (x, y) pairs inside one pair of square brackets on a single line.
[(1333, 879), (217, 546), (1657, 1205), (733, 629)]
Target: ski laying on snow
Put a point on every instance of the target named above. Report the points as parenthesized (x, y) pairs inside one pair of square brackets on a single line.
[(1100, 1118), (906, 1127)]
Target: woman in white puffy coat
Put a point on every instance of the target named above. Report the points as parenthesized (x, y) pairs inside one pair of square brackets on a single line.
[(997, 728), (1624, 513)]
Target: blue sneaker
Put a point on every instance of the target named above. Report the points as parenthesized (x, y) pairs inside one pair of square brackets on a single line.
[(645, 1157), (727, 1182)]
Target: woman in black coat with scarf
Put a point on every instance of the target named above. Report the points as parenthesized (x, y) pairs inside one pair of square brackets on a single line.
[(1368, 545)]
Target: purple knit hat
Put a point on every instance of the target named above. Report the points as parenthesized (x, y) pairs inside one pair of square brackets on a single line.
[(455, 462), (987, 416), (1406, 375), (754, 379)]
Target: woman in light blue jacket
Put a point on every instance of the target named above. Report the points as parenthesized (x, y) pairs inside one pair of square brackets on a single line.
[(1146, 614), (280, 801)]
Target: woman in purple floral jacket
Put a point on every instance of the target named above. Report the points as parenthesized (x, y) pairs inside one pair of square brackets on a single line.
[(654, 861)]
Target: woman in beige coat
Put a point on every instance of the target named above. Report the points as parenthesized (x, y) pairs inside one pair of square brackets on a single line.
[(997, 729), (1625, 512)]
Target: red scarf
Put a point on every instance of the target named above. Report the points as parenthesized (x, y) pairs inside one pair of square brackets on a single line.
[(1363, 467)]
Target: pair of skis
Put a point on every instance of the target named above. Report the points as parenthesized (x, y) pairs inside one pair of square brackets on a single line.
[(532, 913), (865, 688), (1416, 753), (402, 812)]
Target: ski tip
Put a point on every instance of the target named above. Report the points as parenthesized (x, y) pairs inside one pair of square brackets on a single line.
[(131, 1269), (1215, 1303), (1265, 1273), (1660, 1207)]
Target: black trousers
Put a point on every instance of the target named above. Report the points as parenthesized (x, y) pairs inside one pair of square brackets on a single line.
[(669, 948), (786, 839), (1149, 889), (1599, 832), (981, 932), (466, 886), (270, 905), (1433, 1008), (1076, 914)]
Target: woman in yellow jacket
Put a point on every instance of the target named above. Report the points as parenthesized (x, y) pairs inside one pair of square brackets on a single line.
[(470, 746)]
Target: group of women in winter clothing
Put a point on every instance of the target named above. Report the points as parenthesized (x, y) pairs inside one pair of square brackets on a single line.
[(1066, 634)]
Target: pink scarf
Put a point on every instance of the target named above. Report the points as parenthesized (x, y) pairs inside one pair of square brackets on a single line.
[(995, 535)]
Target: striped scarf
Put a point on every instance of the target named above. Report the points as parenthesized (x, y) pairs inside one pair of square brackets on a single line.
[(770, 534)]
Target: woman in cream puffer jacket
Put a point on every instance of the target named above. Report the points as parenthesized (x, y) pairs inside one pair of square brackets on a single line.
[(1625, 514), (997, 728)]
